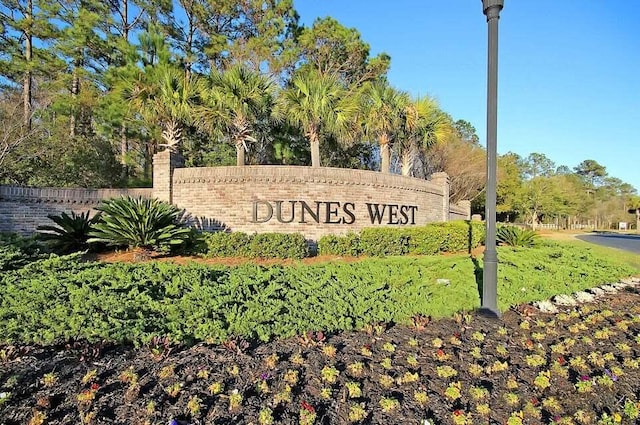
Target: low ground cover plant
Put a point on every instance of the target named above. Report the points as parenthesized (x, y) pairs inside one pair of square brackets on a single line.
[(62, 298), (579, 366), (17, 251)]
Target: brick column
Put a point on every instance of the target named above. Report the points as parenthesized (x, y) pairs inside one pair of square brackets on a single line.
[(442, 180), (163, 165), (467, 208)]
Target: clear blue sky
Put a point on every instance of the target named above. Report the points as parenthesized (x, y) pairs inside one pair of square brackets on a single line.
[(569, 70)]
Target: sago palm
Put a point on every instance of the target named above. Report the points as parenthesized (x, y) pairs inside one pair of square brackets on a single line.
[(317, 104), (139, 223)]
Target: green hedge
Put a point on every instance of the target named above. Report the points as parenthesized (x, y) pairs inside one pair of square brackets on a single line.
[(454, 236), (347, 245), (260, 245)]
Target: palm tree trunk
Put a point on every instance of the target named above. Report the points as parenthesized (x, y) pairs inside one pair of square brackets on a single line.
[(408, 160), (385, 154), (240, 161), (315, 148)]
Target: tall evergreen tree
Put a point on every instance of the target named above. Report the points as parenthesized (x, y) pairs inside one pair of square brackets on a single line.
[(260, 35), (126, 19), (25, 30), (337, 51), (81, 45)]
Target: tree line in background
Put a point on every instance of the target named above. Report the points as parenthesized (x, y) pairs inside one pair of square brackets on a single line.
[(91, 89)]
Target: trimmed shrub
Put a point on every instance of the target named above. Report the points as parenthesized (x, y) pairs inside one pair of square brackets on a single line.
[(455, 236), (347, 245), (383, 241), (427, 240), (278, 245), (226, 244), (515, 236), (260, 245), (70, 232), (140, 223)]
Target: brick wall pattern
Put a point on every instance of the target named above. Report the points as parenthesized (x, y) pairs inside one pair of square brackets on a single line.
[(242, 198), (22, 209)]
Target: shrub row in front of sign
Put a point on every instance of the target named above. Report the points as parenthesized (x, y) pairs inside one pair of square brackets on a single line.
[(260, 245), (430, 239)]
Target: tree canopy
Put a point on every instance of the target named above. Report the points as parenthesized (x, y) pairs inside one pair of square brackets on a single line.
[(90, 90)]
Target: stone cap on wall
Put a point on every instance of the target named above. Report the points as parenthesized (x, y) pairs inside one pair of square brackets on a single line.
[(302, 174), (66, 195)]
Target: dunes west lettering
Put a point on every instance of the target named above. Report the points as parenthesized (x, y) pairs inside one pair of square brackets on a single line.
[(331, 212)]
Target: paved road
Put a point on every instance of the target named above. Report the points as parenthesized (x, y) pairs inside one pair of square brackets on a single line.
[(627, 242)]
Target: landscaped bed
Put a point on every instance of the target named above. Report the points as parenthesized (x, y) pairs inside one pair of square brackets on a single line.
[(257, 345)]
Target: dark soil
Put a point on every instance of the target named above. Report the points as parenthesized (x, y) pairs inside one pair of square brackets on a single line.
[(521, 368)]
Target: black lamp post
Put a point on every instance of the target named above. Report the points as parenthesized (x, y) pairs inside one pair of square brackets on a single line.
[(491, 8)]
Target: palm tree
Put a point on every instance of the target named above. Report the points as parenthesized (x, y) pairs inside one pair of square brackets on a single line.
[(384, 111), (425, 125), (166, 96), (317, 104), (240, 104)]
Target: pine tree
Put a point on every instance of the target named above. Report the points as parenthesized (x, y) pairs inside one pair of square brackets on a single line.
[(26, 28)]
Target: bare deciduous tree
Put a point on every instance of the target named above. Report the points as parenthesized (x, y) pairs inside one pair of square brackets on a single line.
[(14, 130)]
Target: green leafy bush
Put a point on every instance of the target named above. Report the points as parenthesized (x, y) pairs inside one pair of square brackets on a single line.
[(383, 241), (11, 258), (260, 245), (347, 245), (515, 236), (140, 223), (17, 251), (430, 239), (70, 233), (278, 245), (55, 299), (226, 244)]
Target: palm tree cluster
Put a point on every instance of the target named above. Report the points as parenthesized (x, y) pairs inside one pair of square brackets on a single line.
[(108, 84), (242, 107)]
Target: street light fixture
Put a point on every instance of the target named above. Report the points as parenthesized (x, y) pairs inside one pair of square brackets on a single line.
[(491, 8)]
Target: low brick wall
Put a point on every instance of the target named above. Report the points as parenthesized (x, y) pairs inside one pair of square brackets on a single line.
[(22, 209), (312, 201), (462, 211)]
